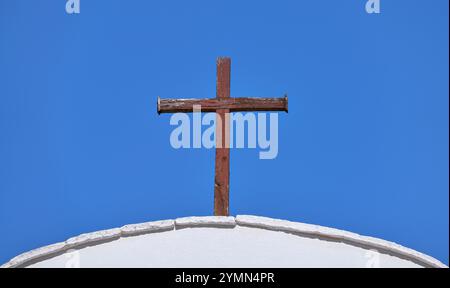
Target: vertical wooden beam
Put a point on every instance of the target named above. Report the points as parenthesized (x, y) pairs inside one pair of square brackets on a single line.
[(222, 165)]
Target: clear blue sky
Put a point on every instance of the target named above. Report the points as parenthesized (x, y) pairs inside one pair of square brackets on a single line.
[(363, 148)]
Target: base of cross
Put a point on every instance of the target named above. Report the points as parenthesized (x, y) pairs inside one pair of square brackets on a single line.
[(223, 104)]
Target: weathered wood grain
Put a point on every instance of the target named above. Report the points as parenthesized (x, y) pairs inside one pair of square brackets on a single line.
[(232, 104), (222, 164)]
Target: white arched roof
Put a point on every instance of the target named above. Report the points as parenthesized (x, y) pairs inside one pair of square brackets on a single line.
[(241, 241)]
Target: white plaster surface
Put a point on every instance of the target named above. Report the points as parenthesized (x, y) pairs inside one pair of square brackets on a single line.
[(148, 227), (206, 221), (242, 241)]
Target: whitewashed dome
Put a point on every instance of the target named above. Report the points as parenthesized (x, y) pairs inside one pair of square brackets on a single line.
[(241, 241)]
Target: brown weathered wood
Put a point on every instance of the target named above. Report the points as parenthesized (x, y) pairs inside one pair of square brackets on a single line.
[(222, 105), (233, 104), (222, 164)]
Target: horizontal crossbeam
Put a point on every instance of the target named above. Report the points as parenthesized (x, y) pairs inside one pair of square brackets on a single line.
[(233, 104)]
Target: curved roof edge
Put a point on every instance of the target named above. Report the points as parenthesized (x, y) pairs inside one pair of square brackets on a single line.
[(223, 221)]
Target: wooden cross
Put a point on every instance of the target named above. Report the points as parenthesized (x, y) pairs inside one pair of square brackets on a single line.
[(223, 104)]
